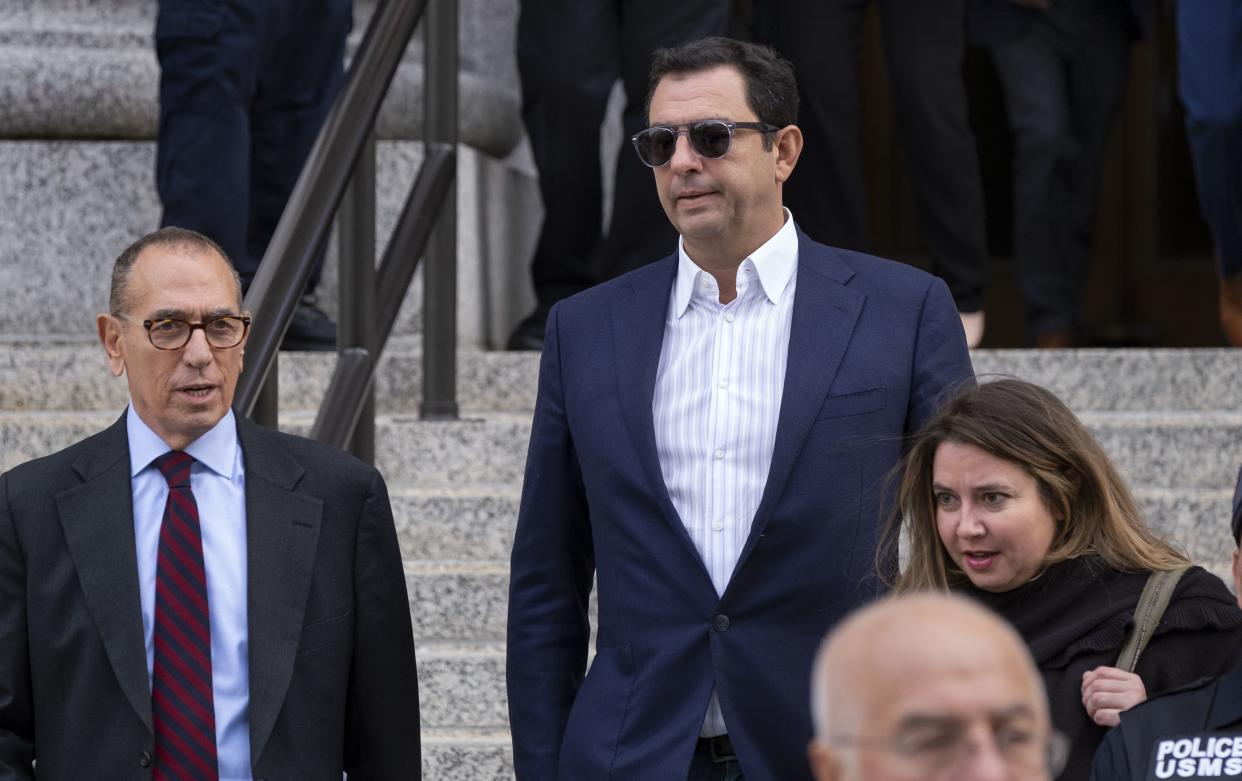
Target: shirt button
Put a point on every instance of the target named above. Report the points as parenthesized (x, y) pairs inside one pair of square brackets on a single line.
[(718, 525), (724, 383), (144, 759), (720, 623), (729, 317), (719, 454)]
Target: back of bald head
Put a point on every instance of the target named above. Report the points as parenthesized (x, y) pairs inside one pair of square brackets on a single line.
[(877, 643)]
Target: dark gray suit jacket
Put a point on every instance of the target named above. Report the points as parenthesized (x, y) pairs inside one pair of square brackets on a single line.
[(333, 684)]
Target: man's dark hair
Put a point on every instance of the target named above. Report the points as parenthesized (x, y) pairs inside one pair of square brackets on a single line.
[(179, 239), (771, 89)]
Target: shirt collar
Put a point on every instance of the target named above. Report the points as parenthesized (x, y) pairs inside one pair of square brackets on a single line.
[(775, 262), (216, 449)]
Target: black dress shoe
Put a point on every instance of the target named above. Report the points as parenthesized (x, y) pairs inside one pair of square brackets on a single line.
[(310, 329), (528, 335)]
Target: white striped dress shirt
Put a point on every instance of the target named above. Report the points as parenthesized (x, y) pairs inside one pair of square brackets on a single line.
[(717, 400)]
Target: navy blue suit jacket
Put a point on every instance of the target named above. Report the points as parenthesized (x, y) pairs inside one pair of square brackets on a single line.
[(873, 347)]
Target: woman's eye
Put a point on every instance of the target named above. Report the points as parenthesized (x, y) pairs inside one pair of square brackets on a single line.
[(944, 499), (992, 497)]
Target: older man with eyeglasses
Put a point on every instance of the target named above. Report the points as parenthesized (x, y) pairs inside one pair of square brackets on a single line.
[(710, 442), (187, 595), (929, 687)]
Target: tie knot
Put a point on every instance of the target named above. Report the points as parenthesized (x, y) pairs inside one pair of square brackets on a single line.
[(175, 465)]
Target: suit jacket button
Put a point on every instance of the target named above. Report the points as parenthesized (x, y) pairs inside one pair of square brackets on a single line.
[(720, 623), (144, 759)]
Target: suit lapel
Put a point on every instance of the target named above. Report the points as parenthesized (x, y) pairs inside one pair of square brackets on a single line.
[(824, 315), (98, 521), (638, 317), (282, 536)]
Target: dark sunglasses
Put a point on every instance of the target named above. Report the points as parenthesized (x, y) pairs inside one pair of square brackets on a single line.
[(710, 139)]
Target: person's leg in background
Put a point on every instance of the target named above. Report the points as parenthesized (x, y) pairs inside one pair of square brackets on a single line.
[(820, 37), (924, 44), (639, 232), (1209, 36), (568, 54), (1031, 71), (299, 78), (1096, 74), (208, 52)]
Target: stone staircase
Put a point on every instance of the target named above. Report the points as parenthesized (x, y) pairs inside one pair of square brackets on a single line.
[(1170, 419)]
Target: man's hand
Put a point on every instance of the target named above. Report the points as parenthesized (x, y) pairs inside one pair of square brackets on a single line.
[(1107, 691)]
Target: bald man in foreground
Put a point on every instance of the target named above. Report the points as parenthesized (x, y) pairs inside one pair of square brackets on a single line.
[(928, 687)]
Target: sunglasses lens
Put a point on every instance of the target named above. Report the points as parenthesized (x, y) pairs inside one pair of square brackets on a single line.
[(710, 139), (655, 145)]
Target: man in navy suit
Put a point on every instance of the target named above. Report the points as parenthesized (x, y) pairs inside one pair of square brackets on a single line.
[(710, 443)]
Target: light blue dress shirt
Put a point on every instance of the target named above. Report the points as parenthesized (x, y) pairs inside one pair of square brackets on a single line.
[(218, 479)]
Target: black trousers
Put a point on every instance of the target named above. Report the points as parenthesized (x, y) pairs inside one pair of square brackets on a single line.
[(244, 88), (570, 53), (924, 44), (1063, 80)]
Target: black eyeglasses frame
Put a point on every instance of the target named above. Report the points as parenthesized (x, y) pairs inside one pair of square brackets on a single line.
[(192, 327), (688, 129)]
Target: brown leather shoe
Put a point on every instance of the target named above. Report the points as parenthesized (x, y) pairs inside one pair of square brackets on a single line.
[(1057, 339), (1231, 309)]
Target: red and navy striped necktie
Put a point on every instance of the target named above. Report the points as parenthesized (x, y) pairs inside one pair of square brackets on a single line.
[(181, 695)]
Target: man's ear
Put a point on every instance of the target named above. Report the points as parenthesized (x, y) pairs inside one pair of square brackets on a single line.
[(110, 337), (825, 763), (788, 149)]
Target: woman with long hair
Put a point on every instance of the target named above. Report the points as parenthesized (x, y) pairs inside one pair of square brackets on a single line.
[(1006, 497)]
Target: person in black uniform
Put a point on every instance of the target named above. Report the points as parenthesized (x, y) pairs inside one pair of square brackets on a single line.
[(244, 87), (569, 55), (1192, 733)]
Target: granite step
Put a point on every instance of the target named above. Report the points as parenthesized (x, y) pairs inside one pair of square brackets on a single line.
[(1175, 450), (462, 685), (466, 601), (458, 601), (88, 70), (71, 206), (73, 377), (454, 524), (451, 754), (70, 375)]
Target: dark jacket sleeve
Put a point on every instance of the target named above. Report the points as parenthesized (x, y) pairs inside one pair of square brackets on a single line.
[(1199, 638), (941, 360), (552, 567), (17, 738), (1111, 763), (382, 719)]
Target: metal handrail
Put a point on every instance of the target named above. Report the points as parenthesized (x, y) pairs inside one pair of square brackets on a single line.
[(303, 230)]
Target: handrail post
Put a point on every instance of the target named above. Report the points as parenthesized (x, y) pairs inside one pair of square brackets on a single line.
[(356, 321), (440, 268), (267, 405)]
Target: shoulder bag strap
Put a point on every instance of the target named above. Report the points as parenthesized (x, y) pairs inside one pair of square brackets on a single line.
[(1147, 614)]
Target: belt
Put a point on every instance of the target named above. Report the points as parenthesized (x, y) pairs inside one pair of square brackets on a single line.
[(719, 748)]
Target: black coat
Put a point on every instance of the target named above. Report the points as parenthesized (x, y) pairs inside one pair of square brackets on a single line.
[(1210, 710), (1074, 618)]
